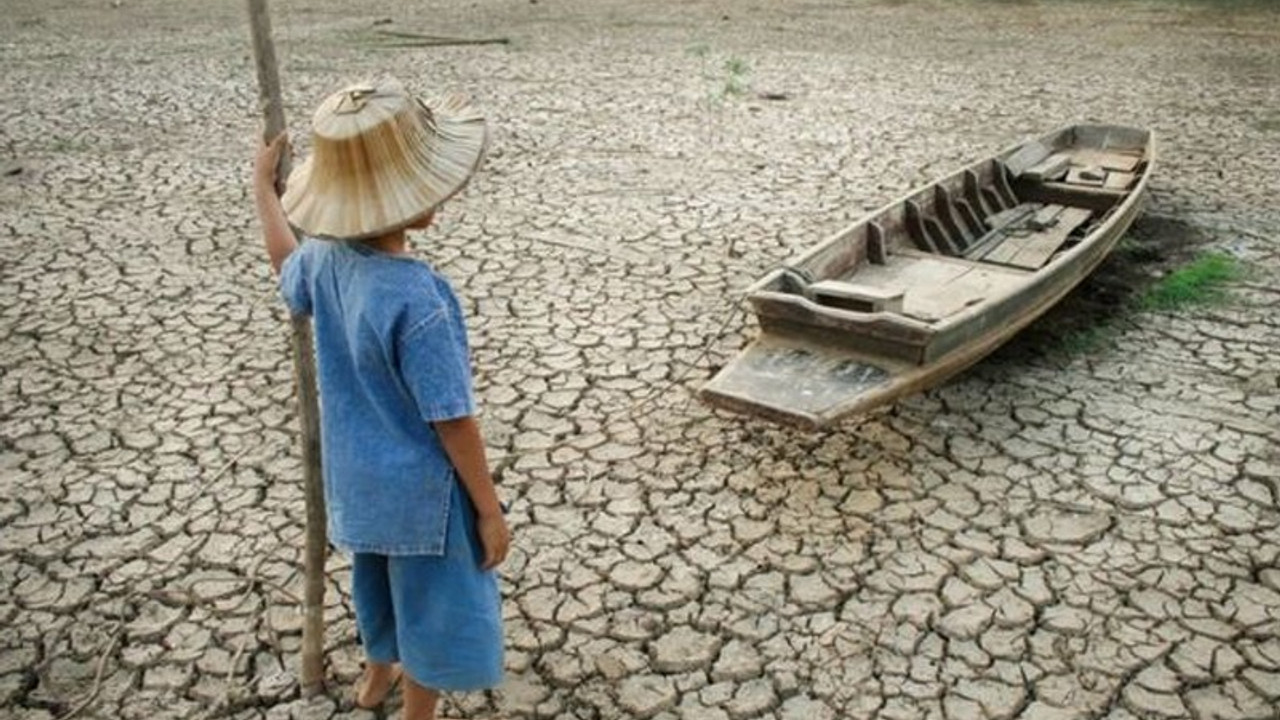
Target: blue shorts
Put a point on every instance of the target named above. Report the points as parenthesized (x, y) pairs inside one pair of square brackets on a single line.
[(439, 616)]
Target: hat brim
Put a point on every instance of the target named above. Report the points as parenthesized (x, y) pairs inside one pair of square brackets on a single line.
[(431, 168)]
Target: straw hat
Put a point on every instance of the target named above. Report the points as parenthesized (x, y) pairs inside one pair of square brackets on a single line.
[(382, 160)]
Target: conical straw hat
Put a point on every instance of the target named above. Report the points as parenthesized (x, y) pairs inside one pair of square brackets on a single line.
[(381, 160)]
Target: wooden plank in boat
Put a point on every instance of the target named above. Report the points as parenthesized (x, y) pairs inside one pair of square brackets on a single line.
[(1119, 180), (1093, 176), (1005, 218), (1106, 159), (1033, 250), (938, 287), (1000, 223), (860, 298), (966, 263), (1097, 199), (1051, 168), (1029, 155), (1045, 217)]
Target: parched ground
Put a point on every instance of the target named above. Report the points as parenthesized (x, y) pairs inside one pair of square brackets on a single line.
[(1055, 534)]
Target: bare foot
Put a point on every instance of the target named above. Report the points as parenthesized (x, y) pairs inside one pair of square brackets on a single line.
[(419, 702), (377, 682)]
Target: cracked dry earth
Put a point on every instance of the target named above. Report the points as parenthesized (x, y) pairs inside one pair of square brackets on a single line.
[(1051, 535)]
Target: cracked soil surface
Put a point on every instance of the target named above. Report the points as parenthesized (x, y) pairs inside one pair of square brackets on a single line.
[(1052, 535)]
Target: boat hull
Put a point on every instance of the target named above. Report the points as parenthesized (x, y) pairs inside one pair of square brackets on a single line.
[(812, 366)]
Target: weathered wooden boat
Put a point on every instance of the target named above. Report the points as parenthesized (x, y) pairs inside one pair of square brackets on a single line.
[(928, 285)]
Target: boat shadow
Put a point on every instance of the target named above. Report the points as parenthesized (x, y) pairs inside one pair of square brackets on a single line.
[(1085, 319)]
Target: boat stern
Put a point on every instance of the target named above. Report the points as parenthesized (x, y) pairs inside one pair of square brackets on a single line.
[(795, 383)]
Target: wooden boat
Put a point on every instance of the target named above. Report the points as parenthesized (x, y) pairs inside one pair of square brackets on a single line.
[(928, 285)]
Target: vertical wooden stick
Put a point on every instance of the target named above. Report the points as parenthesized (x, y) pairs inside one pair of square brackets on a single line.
[(304, 370)]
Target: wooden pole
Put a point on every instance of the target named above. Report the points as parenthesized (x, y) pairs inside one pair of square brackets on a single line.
[(304, 371)]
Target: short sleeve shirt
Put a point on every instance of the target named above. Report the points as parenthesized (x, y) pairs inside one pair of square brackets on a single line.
[(392, 357)]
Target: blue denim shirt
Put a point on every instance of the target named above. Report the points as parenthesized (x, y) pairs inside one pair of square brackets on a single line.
[(392, 357)]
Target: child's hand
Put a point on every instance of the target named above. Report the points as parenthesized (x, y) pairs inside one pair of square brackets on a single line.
[(267, 160), (495, 538), (465, 447)]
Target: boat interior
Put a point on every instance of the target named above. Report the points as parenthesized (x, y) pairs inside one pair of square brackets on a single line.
[(978, 234)]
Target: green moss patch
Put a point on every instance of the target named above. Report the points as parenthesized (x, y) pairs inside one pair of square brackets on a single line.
[(1199, 282)]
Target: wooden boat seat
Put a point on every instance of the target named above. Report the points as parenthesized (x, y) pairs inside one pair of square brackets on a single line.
[(1106, 159), (1097, 199), (1111, 171), (951, 225), (1053, 167), (1094, 168), (860, 298), (1026, 157)]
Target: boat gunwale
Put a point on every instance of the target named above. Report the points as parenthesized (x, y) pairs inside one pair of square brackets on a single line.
[(758, 289), (1099, 242)]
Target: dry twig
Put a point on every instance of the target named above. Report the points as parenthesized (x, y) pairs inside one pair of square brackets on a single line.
[(404, 38), (97, 675)]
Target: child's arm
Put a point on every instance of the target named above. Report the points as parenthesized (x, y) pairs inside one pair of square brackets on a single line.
[(465, 448), (275, 227)]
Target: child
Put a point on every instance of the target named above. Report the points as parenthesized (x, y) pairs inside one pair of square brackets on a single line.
[(406, 480)]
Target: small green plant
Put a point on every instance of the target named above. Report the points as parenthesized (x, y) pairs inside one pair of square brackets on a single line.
[(735, 81), (730, 82), (1200, 281)]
